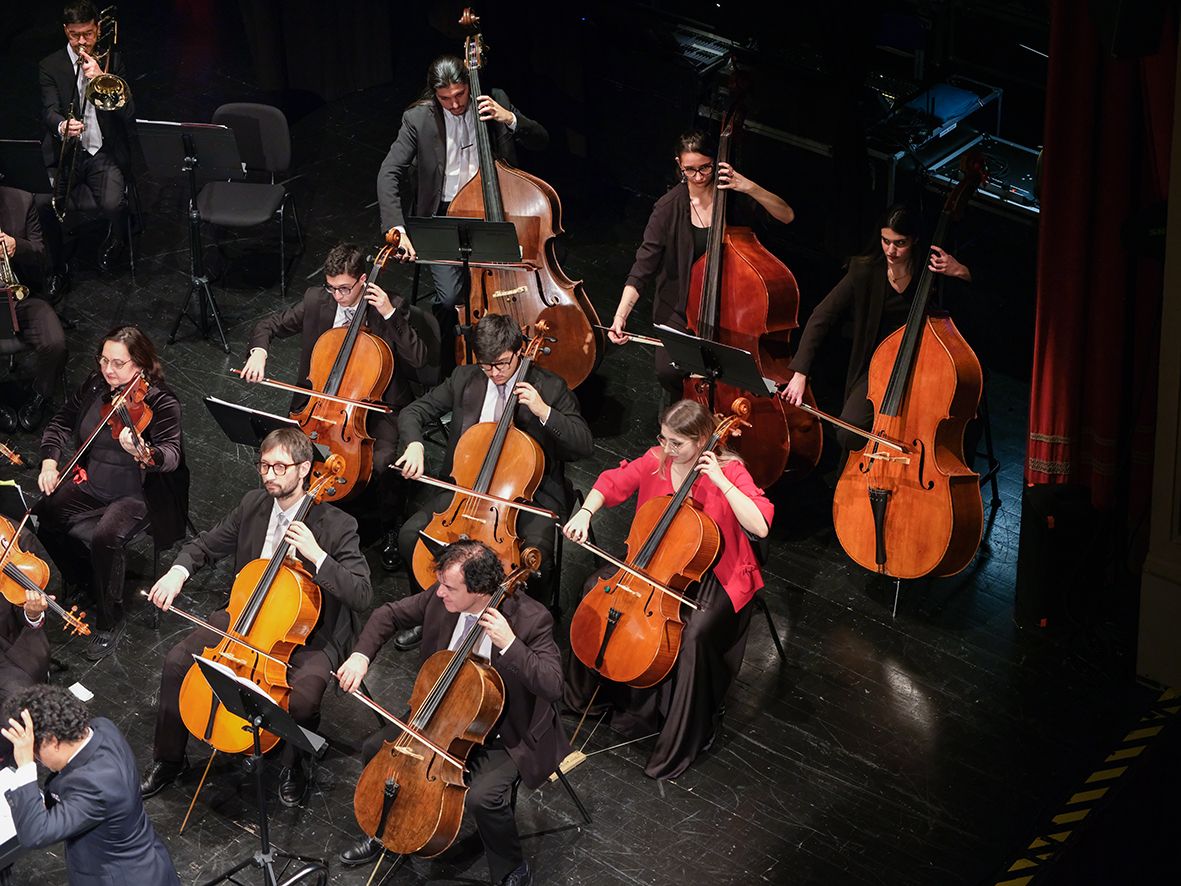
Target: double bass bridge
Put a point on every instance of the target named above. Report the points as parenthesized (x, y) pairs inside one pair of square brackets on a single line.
[(509, 293)]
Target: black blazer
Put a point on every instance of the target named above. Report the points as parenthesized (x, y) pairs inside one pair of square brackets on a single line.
[(422, 141), (343, 576), (566, 437), (59, 87), (531, 670), (94, 805), (313, 317), (18, 219), (22, 646), (166, 483)]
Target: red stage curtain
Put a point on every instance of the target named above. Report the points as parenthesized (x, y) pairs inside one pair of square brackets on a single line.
[(1107, 137)]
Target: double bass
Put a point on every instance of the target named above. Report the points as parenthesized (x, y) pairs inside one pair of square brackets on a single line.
[(628, 626), (915, 509), (497, 460), (274, 605), (542, 293), (743, 296), (409, 797)]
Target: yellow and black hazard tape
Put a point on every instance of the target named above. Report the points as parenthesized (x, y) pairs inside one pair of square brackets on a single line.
[(1054, 838)]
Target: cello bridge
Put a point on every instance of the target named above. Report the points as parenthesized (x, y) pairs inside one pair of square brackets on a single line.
[(888, 457), (505, 293), (409, 753), (474, 517)]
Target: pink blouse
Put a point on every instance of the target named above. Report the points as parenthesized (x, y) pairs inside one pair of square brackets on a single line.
[(736, 570)]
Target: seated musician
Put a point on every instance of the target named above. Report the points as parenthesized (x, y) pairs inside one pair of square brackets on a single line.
[(676, 236), (687, 707), (327, 546), (876, 292), (40, 329), (119, 487), (545, 409), (437, 145), (527, 743), (24, 652), (334, 304)]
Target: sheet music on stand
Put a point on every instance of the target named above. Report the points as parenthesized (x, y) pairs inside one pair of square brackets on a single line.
[(9, 845)]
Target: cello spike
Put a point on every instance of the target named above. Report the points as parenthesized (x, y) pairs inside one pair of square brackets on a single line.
[(197, 792)]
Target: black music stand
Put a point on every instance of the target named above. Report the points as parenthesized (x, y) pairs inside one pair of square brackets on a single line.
[(247, 427), (714, 362), (243, 699), (179, 149)]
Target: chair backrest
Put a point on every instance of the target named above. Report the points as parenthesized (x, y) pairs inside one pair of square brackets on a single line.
[(264, 140), (427, 326)]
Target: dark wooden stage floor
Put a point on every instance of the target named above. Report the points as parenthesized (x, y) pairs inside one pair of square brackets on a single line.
[(928, 747)]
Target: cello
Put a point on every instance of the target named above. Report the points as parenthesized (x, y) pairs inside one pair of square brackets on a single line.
[(743, 296), (348, 363), (494, 459), (542, 293), (274, 606), (628, 626), (409, 797), (918, 511)]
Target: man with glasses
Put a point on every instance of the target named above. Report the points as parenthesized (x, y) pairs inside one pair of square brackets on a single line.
[(388, 317), (108, 141), (543, 407), (326, 544)]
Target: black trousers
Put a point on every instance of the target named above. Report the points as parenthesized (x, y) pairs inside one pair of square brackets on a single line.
[(87, 537), (14, 676), (492, 776), (310, 671), (41, 330), (532, 530), (857, 411), (99, 184), (386, 489)]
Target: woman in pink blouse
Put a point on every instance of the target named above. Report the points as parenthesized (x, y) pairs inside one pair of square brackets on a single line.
[(686, 708)]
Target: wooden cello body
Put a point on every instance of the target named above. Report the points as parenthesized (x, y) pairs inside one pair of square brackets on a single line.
[(917, 512), (408, 797), (542, 292), (743, 296), (625, 628)]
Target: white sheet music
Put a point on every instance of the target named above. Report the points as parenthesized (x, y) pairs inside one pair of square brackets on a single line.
[(7, 826)]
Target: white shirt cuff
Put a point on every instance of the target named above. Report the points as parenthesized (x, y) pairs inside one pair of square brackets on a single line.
[(512, 124), (320, 561), (26, 774), (181, 570), (35, 623)]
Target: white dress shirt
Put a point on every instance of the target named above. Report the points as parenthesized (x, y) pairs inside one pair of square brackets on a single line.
[(462, 158), (483, 648), (491, 395), (92, 136)]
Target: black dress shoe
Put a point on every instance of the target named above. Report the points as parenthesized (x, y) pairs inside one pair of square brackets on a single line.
[(408, 639), (391, 561), (160, 775), (110, 255), (8, 419), (362, 852), (57, 287), (522, 876), (293, 784), (33, 413), (103, 643)]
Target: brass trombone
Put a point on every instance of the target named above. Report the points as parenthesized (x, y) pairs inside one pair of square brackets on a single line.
[(107, 92)]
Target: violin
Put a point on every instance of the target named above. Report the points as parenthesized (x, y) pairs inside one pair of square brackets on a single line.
[(348, 363), (628, 627), (22, 571), (410, 797), (743, 296), (131, 411), (13, 456), (274, 605), (537, 290), (495, 460), (915, 509)]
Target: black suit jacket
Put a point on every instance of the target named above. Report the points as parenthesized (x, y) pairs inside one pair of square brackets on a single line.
[(313, 317), (343, 576), (565, 437), (18, 219), (531, 669), (166, 483), (95, 806), (59, 87), (21, 645), (422, 141)]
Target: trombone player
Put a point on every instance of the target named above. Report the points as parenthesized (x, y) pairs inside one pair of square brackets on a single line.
[(106, 141)]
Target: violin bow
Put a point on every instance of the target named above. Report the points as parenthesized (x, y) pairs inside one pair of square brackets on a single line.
[(853, 429), (508, 503), (635, 336), (635, 573), (308, 392)]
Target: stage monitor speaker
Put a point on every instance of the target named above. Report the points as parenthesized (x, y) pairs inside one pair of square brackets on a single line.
[(1056, 557)]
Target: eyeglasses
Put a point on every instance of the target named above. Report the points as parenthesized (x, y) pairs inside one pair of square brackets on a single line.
[(695, 171), (499, 364), (673, 446), (341, 290), (103, 362), (88, 34), (280, 468)]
